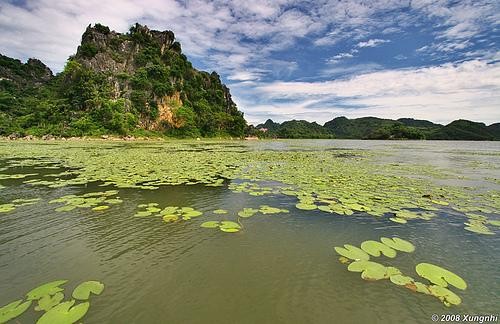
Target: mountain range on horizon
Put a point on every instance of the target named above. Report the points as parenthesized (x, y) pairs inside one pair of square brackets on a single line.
[(141, 83), (379, 128)]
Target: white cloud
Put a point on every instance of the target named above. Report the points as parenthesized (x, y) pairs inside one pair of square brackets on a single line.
[(372, 43), (442, 93)]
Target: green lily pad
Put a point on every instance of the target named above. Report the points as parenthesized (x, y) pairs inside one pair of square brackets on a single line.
[(143, 214), (247, 212), (398, 220), (391, 271), (374, 248), (47, 302), (440, 276), (229, 230), (64, 313), (400, 280), (398, 244), (13, 310), (210, 224), (220, 211), (49, 288), (99, 208), (304, 206), (447, 296), (369, 270), (170, 218), (193, 213), (494, 222), (352, 252), (229, 224), (83, 290)]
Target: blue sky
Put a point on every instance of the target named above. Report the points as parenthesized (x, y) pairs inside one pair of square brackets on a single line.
[(312, 60)]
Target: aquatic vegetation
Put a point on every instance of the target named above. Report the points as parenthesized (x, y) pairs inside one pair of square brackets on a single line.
[(247, 212), (371, 271), (49, 297), (342, 182), (49, 288), (94, 200), (374, 248), (47, 301), (352, 252), (13, 310), (440, 276), (5, 208), (83, 290), (220, 211), (65, 313), (225, 226), (398, 244)]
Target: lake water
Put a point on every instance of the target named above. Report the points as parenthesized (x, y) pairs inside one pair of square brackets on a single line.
[(279, 268)]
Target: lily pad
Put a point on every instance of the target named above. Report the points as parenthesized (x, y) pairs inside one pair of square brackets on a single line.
[(49, 288), (352, 252), (170, 218), (247, 212), (64, 313), (447, 296), (440, 276), (304, 206), (400, 280), (47, 302), (210, 224), (220, 211), (398, 220), (83, 290), (100, 208), (398, 244), (13, 310), (374, 248), (369, 270)]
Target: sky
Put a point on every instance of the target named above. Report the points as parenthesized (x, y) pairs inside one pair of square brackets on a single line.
[(313, 60)]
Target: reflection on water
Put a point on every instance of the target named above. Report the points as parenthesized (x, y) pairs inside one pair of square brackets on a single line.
[(280, 269)]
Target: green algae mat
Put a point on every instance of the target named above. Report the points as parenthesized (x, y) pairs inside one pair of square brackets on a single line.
[(234, 231)]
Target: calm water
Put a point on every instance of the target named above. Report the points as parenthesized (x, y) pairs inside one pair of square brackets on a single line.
[(280, 269)]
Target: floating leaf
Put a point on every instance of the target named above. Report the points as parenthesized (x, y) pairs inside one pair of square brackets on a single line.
[(47, 302), (374, 248), (210, 224), (398, 220), (83, 290), (304, 206), (440, 276), (369, 270), (400, 280), (64, 313), (13, 310), (49, 288), (398, 244), (100, 208), (220, 211), (447, 296), (352, 252), (170, 218), (247, 212)]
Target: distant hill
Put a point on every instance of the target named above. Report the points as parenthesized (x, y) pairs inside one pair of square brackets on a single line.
[(378, 128)]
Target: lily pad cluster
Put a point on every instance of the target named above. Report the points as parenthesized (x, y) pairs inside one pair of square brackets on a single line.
[(5, 208), (97, 201), (341, 181), (358, 260), (169, 214), (49, 299), (263, 209), (225, 226)]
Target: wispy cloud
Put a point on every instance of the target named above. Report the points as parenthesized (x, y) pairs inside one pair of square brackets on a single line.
[(372, 43)]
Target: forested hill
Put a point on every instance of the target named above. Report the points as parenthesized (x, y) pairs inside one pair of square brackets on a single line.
[(378, 128), (138, 82)]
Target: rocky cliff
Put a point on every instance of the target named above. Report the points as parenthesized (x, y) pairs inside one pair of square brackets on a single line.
[(123, 82)]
